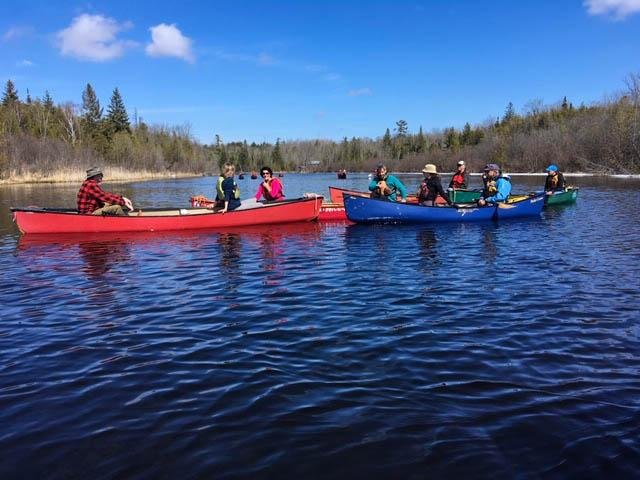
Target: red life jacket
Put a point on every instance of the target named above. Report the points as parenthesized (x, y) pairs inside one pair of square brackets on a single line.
[(458, 181)]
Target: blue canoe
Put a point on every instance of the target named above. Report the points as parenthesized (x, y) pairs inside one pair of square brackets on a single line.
[(370, 210)]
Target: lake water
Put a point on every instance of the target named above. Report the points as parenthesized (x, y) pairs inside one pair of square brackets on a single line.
[(324, 350)]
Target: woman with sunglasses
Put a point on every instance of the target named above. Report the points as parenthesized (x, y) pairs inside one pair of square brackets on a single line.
[(271, 188)]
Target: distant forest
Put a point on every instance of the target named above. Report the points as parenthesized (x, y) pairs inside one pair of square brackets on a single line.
[(38, 135)]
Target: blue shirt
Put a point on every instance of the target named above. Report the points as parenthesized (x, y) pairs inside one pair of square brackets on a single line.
[(504, 190), (394, 184)]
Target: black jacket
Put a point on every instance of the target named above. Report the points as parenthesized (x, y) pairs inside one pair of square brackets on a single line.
[(550, 185), (430, 188)]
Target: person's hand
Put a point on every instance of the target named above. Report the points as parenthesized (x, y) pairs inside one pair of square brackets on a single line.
[(224, 210), (482, 202), (403, 200), (549, 193), (127, 203)]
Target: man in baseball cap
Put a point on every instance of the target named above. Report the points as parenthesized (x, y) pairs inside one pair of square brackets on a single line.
[(497, 188)]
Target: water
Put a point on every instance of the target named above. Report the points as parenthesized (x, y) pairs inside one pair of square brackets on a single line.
[(324, 351)]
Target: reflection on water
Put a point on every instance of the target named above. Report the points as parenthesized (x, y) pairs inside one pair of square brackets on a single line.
[(230, 245), (307, 350), (427, 240)]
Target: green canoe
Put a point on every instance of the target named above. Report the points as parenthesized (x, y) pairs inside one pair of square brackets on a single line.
[(464, 196), (568, 195)]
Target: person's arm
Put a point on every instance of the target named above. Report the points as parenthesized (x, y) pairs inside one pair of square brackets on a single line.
[(374, 184), (400, 187), (504, 189), (259, 192), (441, 191), (105, 197)]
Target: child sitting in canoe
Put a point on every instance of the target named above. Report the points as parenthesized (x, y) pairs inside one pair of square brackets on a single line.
[(230, 189)]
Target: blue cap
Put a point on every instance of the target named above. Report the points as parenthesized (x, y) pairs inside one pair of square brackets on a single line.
[(552, 168)]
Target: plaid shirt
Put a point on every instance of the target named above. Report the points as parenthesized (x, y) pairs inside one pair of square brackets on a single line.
[(91, 197)]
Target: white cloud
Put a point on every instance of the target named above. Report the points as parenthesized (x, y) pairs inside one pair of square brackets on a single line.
[(168, 41), (25, 63), (14, 33), (265, 59), (359, 92), (93, 37), (332, 77), (620, 9), (315, 68)]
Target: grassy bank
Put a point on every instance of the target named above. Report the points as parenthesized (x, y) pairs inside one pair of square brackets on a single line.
[(111, 174)]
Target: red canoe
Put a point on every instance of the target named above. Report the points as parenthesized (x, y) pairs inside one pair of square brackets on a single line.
[(51, 220), (329, 212), (336, 196)]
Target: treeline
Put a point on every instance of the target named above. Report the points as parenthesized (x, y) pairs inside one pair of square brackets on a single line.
[(600, 138), (37, 135)]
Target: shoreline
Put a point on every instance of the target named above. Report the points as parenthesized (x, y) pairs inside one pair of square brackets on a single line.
[(111, 175), (123, 176)]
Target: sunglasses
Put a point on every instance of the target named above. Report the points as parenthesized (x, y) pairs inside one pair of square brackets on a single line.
[(265, 173)]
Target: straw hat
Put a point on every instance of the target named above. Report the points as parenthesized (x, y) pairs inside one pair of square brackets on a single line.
[(429, 168)]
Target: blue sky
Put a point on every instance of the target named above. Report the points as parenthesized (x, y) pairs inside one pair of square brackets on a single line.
[(295, 70)]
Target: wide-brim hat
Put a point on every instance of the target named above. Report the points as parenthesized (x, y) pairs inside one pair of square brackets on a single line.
[(93, 171), (429, 168), (491, 166)]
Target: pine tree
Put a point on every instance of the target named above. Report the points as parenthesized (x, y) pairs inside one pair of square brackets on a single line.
[(509, 113), (276, 156), (117, 119), (91, 111), (421, 142), (386, 140), (47, 101), (401, 128), (565, 104), (243, 156), (10, 95), (401, 139), (28, 100), (466, 137)]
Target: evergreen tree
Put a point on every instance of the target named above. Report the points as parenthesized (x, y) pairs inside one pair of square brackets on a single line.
[(117, 119), (466, 138), (451, 139), (10, 95), (91, 111), (243, 156), (565, 104), (401, 139), (421, 142), (276, 156), (401, 128), (386, 141), (29, 100), (509, 113), (47, 101)]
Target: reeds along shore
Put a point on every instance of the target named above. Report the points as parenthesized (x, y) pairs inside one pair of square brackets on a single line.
[(75, 175)]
